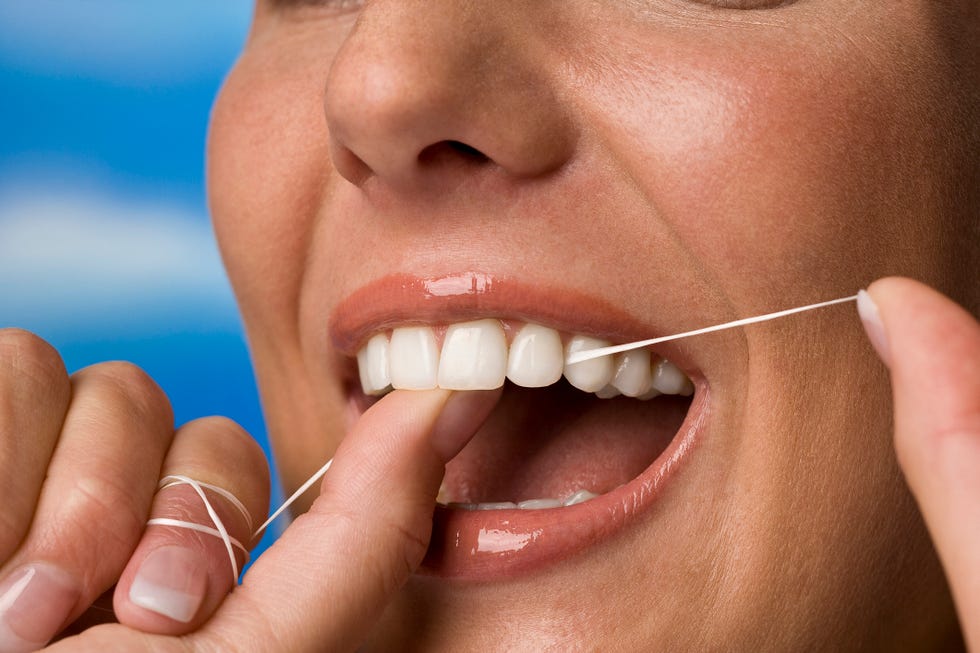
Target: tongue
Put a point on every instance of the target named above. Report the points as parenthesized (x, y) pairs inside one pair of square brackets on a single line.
[(550, 442)]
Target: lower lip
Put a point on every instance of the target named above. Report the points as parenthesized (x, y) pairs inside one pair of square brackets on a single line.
[(486, 545)]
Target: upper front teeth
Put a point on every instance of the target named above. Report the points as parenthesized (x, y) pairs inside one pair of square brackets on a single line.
[(413, 359), (372, 363), (475, 356), (535, 358)]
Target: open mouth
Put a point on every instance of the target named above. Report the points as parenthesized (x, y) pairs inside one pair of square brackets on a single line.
[(570, 454)]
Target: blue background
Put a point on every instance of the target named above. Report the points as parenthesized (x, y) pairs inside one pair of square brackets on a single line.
[(105, 244)]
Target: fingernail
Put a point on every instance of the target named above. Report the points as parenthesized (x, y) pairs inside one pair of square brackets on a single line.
[(35, 602), (871, 319), (172, 582), (462, 415)]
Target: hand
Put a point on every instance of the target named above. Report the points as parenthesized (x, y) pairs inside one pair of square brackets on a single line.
[(932, 347), (81, 457), (327, 579)]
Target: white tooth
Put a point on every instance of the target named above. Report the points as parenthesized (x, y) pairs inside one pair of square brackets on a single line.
[(590, 375), (372, 364), (535, 358), (607, 392), (669, 380), (579, 497), (539, 504), (499, 505), (633, 374), (474, 356), (413, 358), (649, 394)]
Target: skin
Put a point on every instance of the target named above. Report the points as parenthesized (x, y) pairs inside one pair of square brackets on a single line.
[(749, 158)]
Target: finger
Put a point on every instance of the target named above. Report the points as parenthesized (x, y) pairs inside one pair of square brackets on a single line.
[(34, 394), (177, 577), (932, 347), (93, 503), (329, 576)]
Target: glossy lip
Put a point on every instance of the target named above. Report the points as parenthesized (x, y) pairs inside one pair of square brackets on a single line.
[(488, 545)]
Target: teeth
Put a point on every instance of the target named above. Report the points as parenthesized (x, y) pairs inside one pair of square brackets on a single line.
[(649, 394), (499, 505), (669, 380), (474, 356), (413, 359), (372, 363), (607, 392), (579, 496), (633, 374), (539, 504), (535, 357), (591, 375)]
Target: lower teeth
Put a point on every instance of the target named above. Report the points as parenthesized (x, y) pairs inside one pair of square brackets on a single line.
[(579, 496)]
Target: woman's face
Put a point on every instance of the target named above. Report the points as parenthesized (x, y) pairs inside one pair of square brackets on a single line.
[(619, 169)]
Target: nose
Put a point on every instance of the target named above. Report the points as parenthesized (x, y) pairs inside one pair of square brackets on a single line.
[(424, 87)]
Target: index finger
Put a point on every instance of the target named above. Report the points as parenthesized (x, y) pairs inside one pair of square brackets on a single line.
[(932, 347)]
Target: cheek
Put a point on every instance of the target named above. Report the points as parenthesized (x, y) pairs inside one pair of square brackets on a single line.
[(267, 162), (265, 181), (774, 164)]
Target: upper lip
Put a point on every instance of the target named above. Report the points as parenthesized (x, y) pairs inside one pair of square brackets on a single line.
[(400, 299)]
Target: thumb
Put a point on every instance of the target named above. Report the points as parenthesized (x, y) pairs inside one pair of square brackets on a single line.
[(328, 578), (932, 347)]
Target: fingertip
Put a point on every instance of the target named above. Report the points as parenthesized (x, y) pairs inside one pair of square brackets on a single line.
[(171, 582), (934, 347), (214, 489), (397, 437), (927, 335), (174, 582), (873, 326), (461, 416)]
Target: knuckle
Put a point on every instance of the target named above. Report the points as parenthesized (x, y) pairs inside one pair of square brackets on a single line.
[(393, 548), (224, 432), (222, 439), (127, 384), (962, 427), (24, 354), (412, 546), (235, 438), (125, 521), (94, 510)]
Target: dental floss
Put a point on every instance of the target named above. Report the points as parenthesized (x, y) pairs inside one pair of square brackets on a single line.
[(221, 532), (219, 529), (589, 354), (303, 488)]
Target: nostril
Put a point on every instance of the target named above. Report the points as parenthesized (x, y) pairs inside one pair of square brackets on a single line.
[(467, 151), (350, 166), (448, 150)]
